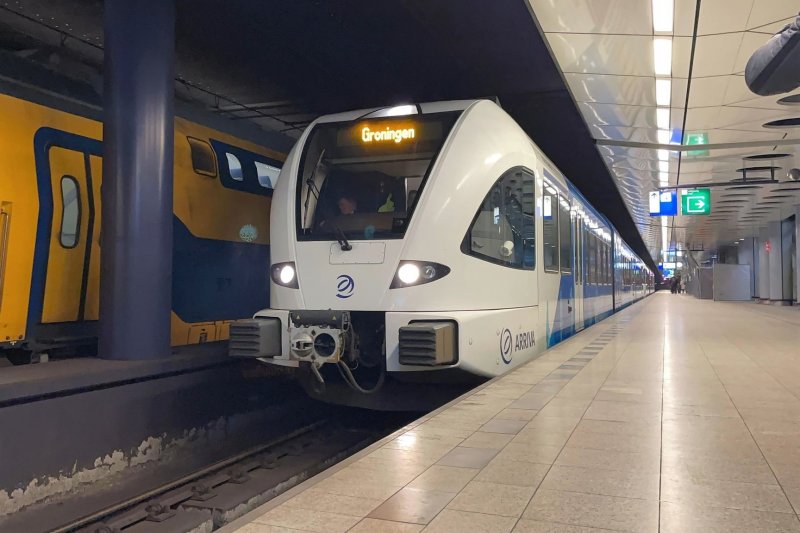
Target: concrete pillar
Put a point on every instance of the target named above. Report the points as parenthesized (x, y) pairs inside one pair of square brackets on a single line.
[(746, 256), (762, 280), (775, 263), (136, 256), (796, 294)]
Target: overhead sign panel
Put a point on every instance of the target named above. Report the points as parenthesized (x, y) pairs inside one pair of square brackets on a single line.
[(696, 201), (663, 203)]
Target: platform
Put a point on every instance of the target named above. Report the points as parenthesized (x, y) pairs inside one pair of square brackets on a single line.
[(676, 415)]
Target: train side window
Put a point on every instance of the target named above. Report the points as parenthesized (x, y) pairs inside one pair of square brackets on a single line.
[(70, 212), (204, 161), (234, 167), (267, 175), (550, 231), (503, 230), (564, 234), (592, 256)]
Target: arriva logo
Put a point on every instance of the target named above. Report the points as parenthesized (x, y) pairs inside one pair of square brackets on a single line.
[(506, 346), (510, 343), (345, 286)]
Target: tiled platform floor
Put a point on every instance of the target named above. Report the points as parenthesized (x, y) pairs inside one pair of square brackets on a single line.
[(676, 415)]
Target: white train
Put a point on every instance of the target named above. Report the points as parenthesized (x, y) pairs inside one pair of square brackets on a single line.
[(423, 245)]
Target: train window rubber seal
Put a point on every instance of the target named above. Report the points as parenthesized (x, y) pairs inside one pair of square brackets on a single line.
[(77, 233)]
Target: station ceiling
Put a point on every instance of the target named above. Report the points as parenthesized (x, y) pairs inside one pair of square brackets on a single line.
[(576, 74), (606, 50)]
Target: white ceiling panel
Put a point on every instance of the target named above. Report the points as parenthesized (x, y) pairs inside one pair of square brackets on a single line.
[(706, 92), (618, 115), (684, 17), (766, 12), (593, 16), (631, 90), (723, 16), (627, 55), (681, 56), (713, 55)]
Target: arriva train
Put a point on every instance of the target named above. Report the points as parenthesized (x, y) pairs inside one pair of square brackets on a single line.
[(50, 229), (425, 245)]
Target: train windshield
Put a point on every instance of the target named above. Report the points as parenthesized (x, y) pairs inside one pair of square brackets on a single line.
[(361, 179)]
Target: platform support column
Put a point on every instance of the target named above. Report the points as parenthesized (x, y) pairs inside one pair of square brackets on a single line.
[(762, 274), (138, 132)]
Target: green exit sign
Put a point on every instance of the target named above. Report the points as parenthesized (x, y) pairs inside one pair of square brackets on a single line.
[(696, 139), (696, 202)]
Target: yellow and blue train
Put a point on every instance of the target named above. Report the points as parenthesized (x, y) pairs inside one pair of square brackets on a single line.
[(50, 234)]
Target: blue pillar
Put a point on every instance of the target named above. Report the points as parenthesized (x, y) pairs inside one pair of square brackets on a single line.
[(138, 124)]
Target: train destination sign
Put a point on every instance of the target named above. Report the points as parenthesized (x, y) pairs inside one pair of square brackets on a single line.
[(696, 201)]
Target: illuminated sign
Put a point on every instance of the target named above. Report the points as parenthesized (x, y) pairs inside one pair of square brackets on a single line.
[(693, 139), (696, 201), (663, 203), (388, 134)]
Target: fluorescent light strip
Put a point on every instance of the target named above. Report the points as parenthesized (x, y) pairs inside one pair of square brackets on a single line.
[(663, 136), (663, 92), (662, 16), (662, 118), (663, 166), (663, 155), (662, 56)]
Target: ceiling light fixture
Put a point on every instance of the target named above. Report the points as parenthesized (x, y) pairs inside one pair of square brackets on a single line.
[(664, 136), (662, 56), (663, 92), (662, 16), (662, 118), (663, 155)]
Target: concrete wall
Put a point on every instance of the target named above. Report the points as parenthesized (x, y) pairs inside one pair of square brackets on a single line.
[(731, 282)]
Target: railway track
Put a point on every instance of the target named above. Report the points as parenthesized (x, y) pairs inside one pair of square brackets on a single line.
[(215, 495)]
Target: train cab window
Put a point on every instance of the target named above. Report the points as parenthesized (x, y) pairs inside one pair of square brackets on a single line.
[(550, 213), (356, 177), (203, 159), (565, 234), (503, 230), (70, 212), (267, 175), (234, 167)]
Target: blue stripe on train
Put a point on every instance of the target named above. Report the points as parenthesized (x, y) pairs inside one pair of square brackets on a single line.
[(217, 280)]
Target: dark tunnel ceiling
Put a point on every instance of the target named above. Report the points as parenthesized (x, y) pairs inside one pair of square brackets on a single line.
[(334, 55)]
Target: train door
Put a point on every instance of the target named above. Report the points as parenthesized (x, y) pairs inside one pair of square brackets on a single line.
[(64, 290), (66, 261), (577, 228)]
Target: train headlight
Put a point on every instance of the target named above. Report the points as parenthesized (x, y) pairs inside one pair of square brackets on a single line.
[(411, 273), (284, 274), (408, 273)]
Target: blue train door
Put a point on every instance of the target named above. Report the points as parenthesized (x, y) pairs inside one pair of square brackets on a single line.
[(577, 230)]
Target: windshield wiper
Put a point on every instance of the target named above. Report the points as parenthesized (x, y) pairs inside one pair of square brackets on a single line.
[(341, 238), (311, 187)]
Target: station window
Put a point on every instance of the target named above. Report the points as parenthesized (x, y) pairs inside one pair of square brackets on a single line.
[(203, 159), (267, 175), (550, 229), (234, 167), (564, 235), (503, 230), (70, 212)]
